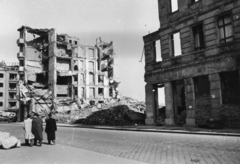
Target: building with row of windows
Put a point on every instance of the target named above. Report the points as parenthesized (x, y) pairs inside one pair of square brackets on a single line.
[(65, 67), (194, 56), (9, 90)]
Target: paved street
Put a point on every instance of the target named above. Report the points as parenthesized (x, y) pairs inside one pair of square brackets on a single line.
[(148, 147)]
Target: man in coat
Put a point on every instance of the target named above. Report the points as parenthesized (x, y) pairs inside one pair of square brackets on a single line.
[(51, 128), (27, 126), (37, 129)]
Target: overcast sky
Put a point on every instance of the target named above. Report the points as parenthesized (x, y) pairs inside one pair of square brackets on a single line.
[(124, 22)]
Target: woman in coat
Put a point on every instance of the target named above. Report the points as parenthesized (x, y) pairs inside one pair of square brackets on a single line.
[(37, 129), (51, 128)]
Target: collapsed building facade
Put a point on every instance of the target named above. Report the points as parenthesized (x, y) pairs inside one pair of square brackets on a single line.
[(9, 91), (199, 44), (56, 66)]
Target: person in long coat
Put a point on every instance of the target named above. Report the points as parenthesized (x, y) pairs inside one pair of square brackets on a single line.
[(37, 129), (51, 128), (27, 126)]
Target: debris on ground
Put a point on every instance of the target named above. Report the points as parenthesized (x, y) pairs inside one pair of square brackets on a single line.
[(77, 110), (7, 141), (119, 115)]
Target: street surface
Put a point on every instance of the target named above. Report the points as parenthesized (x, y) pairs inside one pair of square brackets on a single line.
[(149, 147)]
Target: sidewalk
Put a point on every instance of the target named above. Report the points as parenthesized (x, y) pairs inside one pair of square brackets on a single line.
[(58, 154), (162, 129)]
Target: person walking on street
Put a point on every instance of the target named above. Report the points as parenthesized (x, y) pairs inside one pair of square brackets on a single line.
[(51, 128), (37, 129), (27, 126)]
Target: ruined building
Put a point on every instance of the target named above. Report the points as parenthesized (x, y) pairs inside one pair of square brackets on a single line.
[(194, 55), (9, 90), (56, 66)]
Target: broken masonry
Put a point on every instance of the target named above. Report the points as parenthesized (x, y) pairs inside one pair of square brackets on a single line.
[(55, 69)]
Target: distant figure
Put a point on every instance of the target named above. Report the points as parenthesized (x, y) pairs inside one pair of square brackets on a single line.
[(51, 128), (37, 129), (27, 126)]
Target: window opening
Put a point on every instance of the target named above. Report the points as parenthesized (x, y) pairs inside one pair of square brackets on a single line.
[(1, 84), (12, 86), (12, 95), (100, 79), (12, 76), (100, 92), (1, 103), (157, 47), (1, 75), (225, 29), (91, 78), (198, 37), (174, 5), (91, 66), (91, 92), (202, 86), (176, 44), (12, 105), (1, 94)]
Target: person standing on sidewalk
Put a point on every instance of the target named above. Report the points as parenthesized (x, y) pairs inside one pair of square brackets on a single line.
[(51, 128), (27, 126), (37, 129)]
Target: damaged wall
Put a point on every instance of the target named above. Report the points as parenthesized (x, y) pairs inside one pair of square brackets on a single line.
[(211, 55)]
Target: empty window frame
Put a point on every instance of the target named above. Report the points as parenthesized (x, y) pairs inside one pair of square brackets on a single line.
[(1, 103), (1, 84), (198, 37), (91, 65), (174, 5), (100, 92), (21, 62), (176, 44), (100, 79), (157, 49), (91, 78), (1, 94), (201, 86), (12, 76), (225, 28), (91, 53), (92, 92), (1, 75)]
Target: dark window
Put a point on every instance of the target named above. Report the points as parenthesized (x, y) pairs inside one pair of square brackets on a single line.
[(76, 42), (198, 37), (230, 87), (202, 86), (1, 84), (1, 75), (21, 62), (1, 103), (70, 41), (1, 94), (225, 29)]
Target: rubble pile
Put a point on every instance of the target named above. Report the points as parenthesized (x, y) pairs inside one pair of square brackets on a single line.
[(115, 116), (7, 116), (202, 110), (71, 111), (230, 115), (7, 141)]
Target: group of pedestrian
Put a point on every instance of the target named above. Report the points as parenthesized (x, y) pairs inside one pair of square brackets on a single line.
[(33, 127)]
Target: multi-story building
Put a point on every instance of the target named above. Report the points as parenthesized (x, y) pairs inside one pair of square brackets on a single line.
[(64, 66), (194, 54), (9, 87)]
